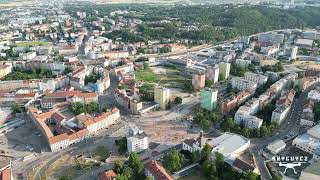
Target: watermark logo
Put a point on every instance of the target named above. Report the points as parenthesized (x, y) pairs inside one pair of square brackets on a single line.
[(290, 162)]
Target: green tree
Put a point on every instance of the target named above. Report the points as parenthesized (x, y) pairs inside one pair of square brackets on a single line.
[(196, 156), (102, 152), (277, 178), (219, 161), (209, 168), (251, 176), (16, 109), (136, 165), (119, 167), (173, 161), (177, 100), (64, 178), (245, 132), (208, 83), (206, 152), (264, 131), (122, 177)]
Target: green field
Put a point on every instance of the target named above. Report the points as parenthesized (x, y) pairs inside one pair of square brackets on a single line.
[(147, 75), (171, 78), (35, 43)]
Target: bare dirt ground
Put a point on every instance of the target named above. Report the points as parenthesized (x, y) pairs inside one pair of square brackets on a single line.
[(167, 132)]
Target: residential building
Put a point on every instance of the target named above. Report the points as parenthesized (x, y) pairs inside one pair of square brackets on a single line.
[(304, 43), (271, 37), (154, 170), (243, 166), (309, 142), (162, 96), (307, 117), (198, 80), (314, 35), (224, 70), (312, 172), (314, 95), (294, 52), (193, 145), (233, 101), (116, 54), (245, 114), (5, 69), (208, 99), (28, 55), (280, 113), (137, 140), (276, 146), (243, 63), (257, 78), (312, 70), (242, 84), (61, 132), (212, 73)]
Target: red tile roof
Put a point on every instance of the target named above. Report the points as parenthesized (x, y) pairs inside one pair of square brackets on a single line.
[(157, 171), (5, 174), (108, 175)]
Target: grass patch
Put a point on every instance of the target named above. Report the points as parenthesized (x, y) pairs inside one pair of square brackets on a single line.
[(147, 75), (28, 44), (172, 77)]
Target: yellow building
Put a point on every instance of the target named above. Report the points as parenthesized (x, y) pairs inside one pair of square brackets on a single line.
[(162, 96), (5, 69)]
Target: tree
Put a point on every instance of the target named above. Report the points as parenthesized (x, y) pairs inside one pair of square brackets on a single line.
[(208, 83), (277, 178), (173, 161), (165, 49), (118, 167), (196, 156), (251, 176), (136, 165), (209, 168), (16, 109), (245, 132), (64, 178), (264, 131), (177, 100), (102, 152), (228, 124), (206, 152), (219, 162), (169, 106)]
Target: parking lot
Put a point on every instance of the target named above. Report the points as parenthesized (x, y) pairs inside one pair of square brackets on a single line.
[(23, 141)]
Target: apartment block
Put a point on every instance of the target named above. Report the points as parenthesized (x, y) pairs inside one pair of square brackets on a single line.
[(224, 70), (208, 99), (198, 80), (162, 96), (213, 73)]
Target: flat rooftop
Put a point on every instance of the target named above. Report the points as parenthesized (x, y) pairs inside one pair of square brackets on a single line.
[(228, 143)]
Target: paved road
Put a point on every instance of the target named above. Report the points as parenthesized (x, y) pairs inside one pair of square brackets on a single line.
[(290, 126)]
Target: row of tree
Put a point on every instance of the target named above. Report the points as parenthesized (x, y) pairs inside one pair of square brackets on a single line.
[(265, 130), (19, 74), (79, 108), (134, 170), (274, 68), (205, 119)]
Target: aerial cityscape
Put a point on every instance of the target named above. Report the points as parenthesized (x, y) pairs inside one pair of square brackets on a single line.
[(159, 90)]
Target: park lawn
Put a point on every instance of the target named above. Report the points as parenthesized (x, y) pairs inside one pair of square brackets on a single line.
[(34, 43), (147, 75), (172, 78)]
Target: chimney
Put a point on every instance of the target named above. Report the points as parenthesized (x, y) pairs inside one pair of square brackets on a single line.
[(200, 139)]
